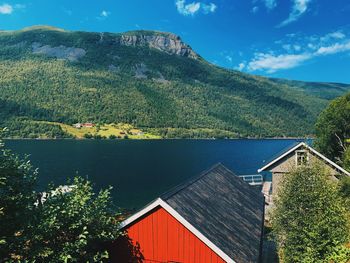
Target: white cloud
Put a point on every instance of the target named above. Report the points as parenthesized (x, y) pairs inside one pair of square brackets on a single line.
[(189, 9), (333, 49), (292, 55), (272, 63), (333, 35), (299, 8), (241, 66), (291, 35), (287, 47), (6, 9), (210, 8), (255, 9), (270, 4), (291, 48), (311, 46), (297, 47), (20, 6), (105, 13), (229, 58), (338, 35), (193, 8)]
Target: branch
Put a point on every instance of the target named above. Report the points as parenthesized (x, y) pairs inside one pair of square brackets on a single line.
[(341, 144)]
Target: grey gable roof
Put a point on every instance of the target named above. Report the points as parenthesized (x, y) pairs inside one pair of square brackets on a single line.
[(292, 149), (225, 209), (281, 152)]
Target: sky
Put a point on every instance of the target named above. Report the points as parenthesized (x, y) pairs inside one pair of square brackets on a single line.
[(305, 40)]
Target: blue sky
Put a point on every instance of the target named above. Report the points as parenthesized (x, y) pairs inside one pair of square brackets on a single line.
[(294, 39)]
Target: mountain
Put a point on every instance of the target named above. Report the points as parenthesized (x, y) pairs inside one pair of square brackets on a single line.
[(321, 90), (151, 80)]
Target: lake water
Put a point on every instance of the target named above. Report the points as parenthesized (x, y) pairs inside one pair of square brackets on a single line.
[(140, 170)]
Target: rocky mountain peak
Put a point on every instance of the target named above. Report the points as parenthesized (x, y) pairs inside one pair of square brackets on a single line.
[(166, 42)]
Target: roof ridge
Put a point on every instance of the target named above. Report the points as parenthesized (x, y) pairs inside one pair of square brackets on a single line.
[(251, 188), (214, 208), (183, 185), (306, 145), (280, 153), (190, 181)]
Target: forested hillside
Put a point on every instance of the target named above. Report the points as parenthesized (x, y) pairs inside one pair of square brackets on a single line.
[(323, 90), (151, 80)]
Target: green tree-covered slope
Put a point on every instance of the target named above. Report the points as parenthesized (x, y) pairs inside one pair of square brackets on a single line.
[(325, 90), (151, 80)]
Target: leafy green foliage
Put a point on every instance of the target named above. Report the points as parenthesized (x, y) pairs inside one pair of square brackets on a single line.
[(346, 158), (345, 187), (310, 221), (19, 128), (175, 92), (341, 254), (324, 90), (333, 128), (73, 226), (17, 197)]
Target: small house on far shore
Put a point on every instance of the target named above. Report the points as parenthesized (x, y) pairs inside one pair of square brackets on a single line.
[(85, 125), (214, 217), (88, 125), (297, 155), (77, 125)]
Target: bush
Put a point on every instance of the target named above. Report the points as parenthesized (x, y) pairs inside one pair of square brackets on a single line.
[(88, 136), (310, 220), (72, 226), (17, 197), (345, 186)]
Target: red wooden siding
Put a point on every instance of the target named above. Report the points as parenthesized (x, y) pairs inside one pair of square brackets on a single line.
[(161, 238)]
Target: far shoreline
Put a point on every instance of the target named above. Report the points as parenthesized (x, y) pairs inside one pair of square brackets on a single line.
[(159, 139)]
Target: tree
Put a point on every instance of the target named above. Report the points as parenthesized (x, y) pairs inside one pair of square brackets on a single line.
[(346, 158), (345, 187), (333, 128), (17, 197), (74, 226), (310, 221)]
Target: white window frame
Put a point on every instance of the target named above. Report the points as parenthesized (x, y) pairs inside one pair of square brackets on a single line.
[(296, 157)]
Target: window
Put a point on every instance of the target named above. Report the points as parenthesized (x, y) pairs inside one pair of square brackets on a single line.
[(302, 157)]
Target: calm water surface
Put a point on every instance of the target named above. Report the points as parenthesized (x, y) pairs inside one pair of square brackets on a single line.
[(140, 170)]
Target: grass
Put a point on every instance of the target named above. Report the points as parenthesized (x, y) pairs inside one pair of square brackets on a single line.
[(119, 130)]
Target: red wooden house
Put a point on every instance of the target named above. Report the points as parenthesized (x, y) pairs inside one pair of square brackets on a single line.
[(214, 217), (88, 125)]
